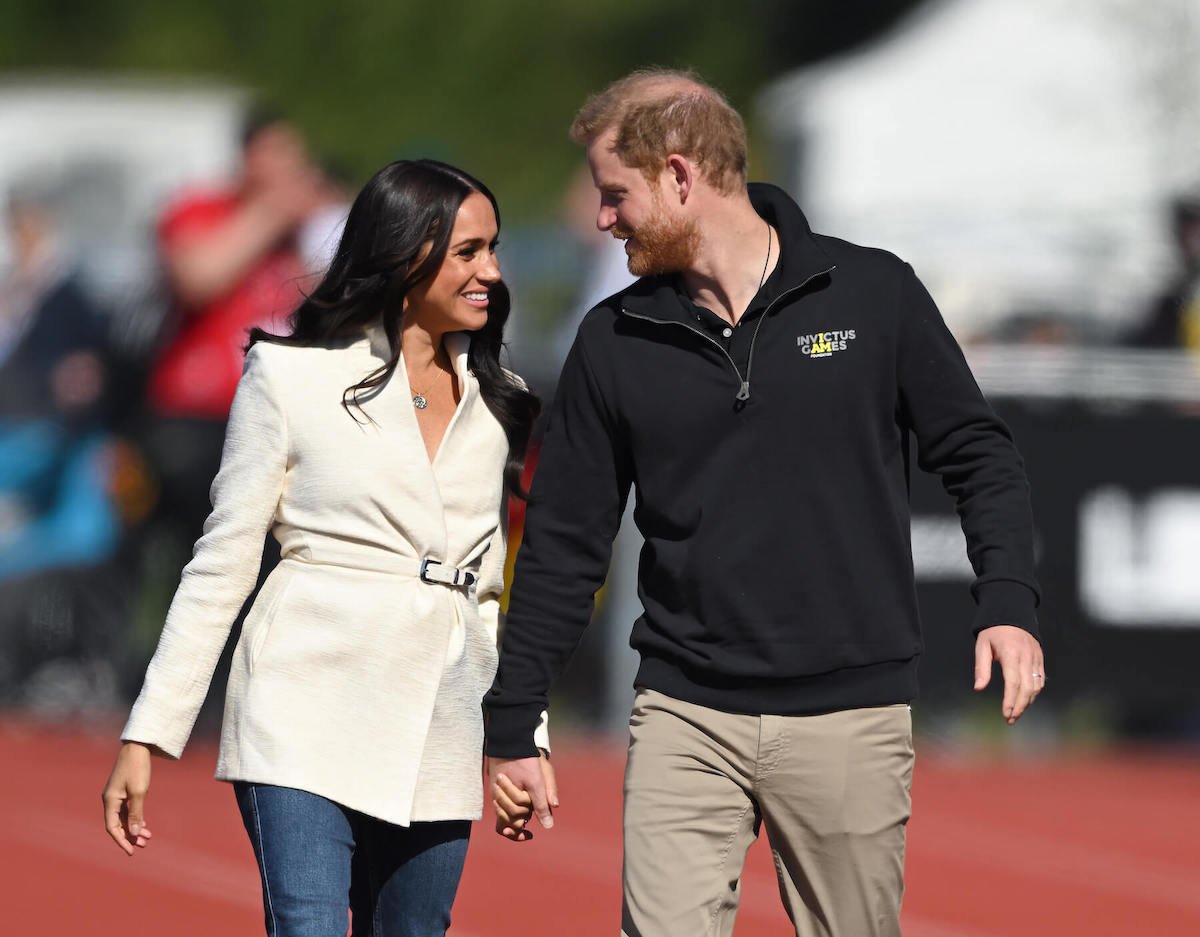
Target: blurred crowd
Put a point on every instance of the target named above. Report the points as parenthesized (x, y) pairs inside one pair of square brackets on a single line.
[(107, 449), (106, 456)]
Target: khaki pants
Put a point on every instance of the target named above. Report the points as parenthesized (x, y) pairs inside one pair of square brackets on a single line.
[(833, 791)]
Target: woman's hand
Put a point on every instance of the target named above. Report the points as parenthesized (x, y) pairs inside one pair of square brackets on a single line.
[(513, 808), (124, 797), (514, 805)]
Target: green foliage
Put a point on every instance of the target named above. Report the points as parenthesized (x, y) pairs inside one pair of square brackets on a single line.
[(490, 84)]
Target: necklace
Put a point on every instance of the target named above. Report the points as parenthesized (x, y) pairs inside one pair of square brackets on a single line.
[(766, 260), (420, 399)]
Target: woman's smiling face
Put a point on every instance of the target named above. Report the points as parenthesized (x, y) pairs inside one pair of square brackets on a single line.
[(455, 299)]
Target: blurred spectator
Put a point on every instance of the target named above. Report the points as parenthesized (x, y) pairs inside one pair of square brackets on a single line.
[(1174, 318), (60, 626), (52, 335), (322, 230), (232, 261)]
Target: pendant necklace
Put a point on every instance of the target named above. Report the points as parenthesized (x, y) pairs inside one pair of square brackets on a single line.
[(419, 400), (766, 260)]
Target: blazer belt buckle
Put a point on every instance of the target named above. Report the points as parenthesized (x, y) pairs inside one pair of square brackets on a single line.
[(446, 575)]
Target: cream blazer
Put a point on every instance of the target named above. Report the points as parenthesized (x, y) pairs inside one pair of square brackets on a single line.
[(353, 679)]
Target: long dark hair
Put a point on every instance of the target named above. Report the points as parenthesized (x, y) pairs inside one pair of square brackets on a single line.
[(406, 205)]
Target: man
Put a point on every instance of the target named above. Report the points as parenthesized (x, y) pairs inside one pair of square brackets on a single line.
[(758, 386), (1173, 321)]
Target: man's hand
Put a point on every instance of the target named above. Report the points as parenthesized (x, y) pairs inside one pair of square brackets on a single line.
[(1020, 658), (520, 788)]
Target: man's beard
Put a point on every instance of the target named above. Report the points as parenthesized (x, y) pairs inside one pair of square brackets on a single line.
[(660, 245)]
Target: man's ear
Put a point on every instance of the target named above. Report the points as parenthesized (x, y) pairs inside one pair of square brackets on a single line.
[(682, 175)]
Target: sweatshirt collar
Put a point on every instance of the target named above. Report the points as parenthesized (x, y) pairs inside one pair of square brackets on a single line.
[(801, 256)]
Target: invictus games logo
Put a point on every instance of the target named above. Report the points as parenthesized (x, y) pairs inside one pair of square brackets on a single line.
[(824, 344)]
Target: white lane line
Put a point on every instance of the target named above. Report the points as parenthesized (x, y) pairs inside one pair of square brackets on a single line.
[(187, 870), (1043, 857), (921, 926), (597, 859), (173, 865), (167, 864)]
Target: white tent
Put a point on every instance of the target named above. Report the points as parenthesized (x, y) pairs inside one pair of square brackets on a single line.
[(113, 151), (1020, 153)]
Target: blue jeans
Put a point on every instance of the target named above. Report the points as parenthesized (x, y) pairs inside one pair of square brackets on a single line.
[(319, 860)]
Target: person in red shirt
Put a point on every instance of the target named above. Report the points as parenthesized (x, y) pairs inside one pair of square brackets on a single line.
[(232, 264)]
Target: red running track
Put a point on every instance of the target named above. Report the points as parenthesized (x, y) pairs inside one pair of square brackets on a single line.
[(1090, 845)]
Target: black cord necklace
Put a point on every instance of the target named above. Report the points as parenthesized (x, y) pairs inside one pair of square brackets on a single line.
[(766, 260)]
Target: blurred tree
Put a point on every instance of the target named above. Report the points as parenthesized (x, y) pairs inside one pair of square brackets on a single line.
[(490, 85)]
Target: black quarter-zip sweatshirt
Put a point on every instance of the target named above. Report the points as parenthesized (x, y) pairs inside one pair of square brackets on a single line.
[(771, 467)]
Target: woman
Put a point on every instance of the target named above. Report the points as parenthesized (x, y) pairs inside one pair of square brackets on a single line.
[(376, 441)]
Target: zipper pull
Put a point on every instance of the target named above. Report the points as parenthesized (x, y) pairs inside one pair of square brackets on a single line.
[(743, 394)]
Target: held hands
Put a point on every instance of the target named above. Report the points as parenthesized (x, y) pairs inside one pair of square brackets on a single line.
[(124, 797), (520, 788), (1020, 658)]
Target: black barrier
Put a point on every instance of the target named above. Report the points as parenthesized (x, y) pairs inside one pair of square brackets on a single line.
[(1116, 497)]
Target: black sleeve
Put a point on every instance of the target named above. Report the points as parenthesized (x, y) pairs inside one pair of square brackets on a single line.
[(960, 438), (576, 502)]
